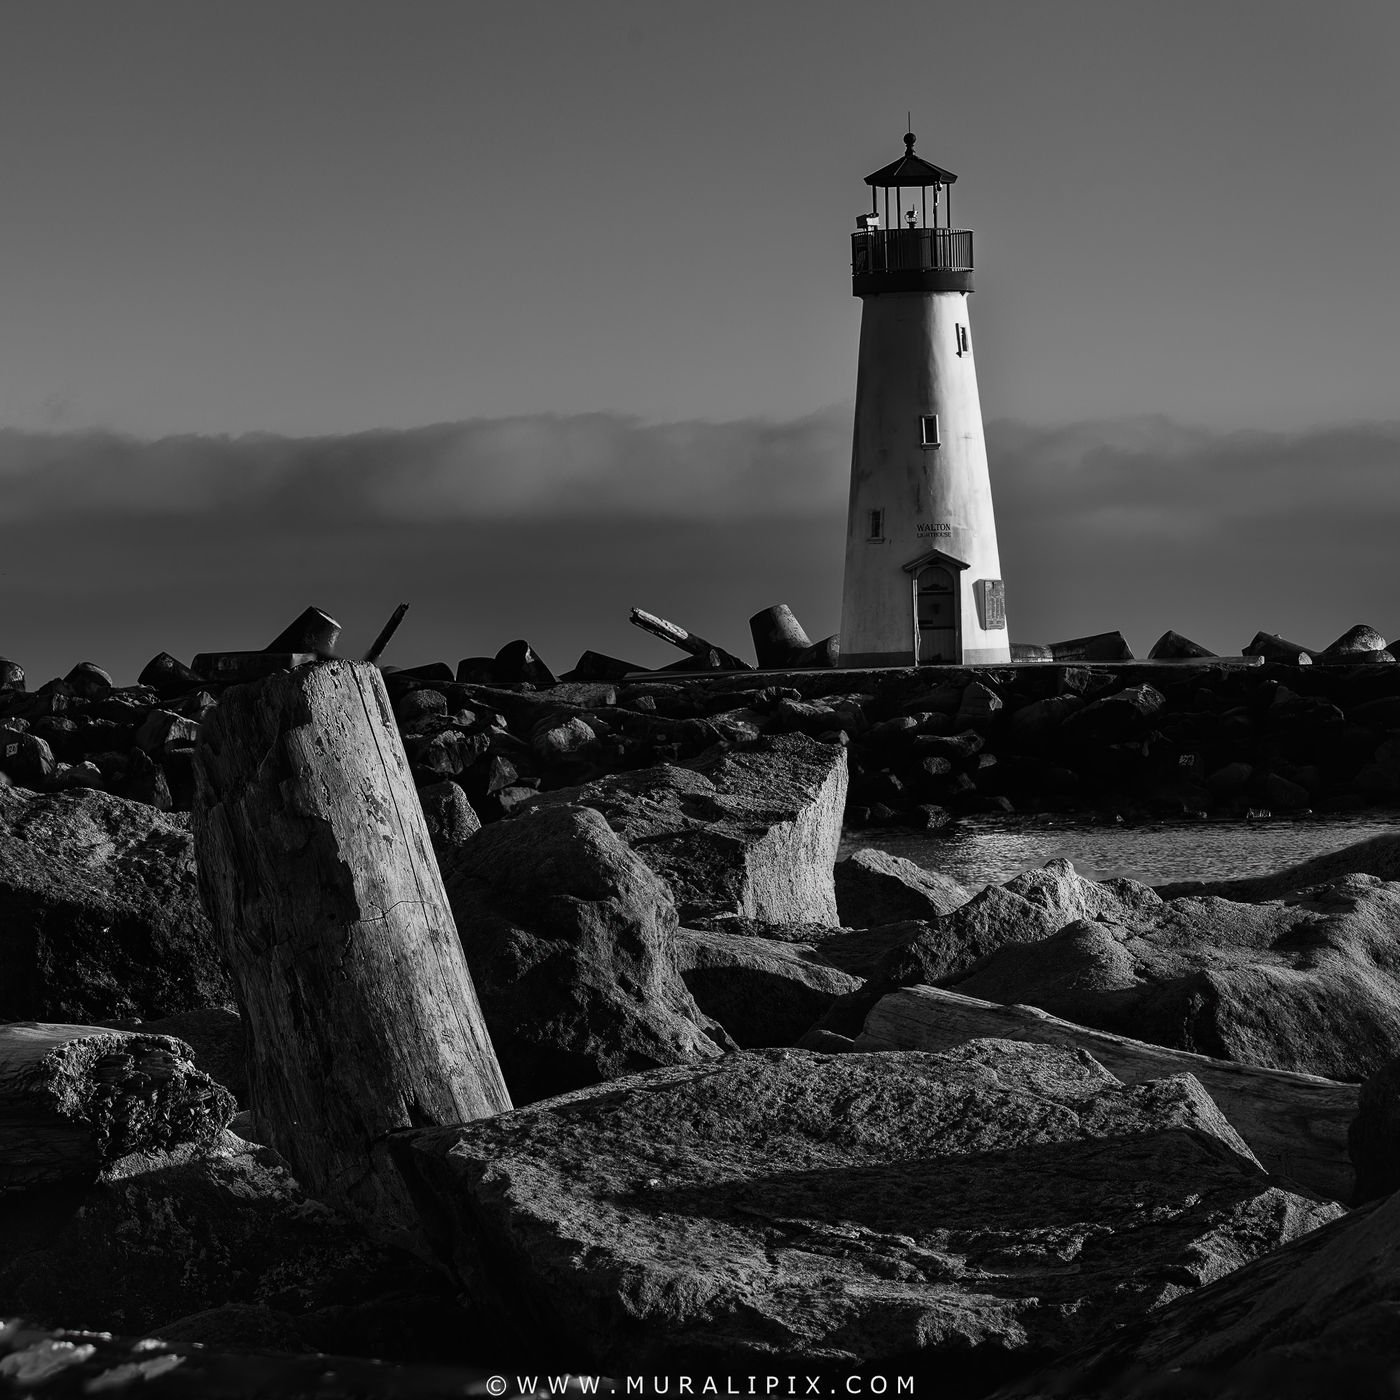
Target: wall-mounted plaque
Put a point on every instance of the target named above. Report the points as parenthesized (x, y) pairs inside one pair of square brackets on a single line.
[(991, 603)]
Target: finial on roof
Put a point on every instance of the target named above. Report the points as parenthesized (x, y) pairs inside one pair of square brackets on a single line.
[(909, 139)]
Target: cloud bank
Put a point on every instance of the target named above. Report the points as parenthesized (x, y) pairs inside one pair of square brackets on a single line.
[(591, 466), (551, 527)]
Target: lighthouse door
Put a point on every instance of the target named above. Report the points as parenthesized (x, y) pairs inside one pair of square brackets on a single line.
[(936, 615)]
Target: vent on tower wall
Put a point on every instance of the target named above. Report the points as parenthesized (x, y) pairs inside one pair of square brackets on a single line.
[(928, 430)]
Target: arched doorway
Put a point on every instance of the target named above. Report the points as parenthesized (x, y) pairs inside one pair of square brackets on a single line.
[(936, 615)]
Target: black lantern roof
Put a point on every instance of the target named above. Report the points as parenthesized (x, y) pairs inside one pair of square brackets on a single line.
[(910, 171)]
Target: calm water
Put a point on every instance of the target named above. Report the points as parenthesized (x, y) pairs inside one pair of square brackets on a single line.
[(988, 850)]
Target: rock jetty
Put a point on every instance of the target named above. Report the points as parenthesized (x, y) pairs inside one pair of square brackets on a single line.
[(756, 1110)]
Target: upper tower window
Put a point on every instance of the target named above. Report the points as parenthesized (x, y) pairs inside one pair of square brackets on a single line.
[(877, 525), (964, 345), (928, 430)]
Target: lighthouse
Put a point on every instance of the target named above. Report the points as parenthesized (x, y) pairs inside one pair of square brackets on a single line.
[(923, 578)]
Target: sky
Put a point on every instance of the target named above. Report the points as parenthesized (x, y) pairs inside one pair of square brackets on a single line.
[(528, 314)]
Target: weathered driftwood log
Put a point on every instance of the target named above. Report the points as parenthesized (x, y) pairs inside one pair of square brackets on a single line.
[(73, 1098), (318, 875), (382, 640), (1296, 1124), (686, 641)]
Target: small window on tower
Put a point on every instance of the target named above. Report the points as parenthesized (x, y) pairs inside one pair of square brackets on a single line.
[(928, 428), (877, 524), (964, 345)]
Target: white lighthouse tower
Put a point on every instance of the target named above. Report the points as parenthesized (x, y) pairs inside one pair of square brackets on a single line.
[(923, 579)]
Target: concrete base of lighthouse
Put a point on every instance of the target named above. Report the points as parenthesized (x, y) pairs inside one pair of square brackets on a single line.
[(923, 576)]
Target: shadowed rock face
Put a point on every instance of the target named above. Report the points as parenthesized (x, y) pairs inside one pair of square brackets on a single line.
[(222, 1230), (99, 911), (875, 888), (1309, 983), (752, 832), (763, 991), (970, 1211), (570, 940), (1314, 1319)]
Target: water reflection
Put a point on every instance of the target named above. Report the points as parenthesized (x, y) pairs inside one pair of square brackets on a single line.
[(990, 850)]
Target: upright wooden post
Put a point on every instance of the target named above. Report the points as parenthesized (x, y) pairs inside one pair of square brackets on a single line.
[(317, 872)]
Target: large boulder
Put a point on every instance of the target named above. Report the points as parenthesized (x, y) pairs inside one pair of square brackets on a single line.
[(763, 991), (99, 911), (571, 942), (748, 831), (1314, 1319), (1126, 714), (874, 887), (963, 1212), (1310, 982), (1026, 909)]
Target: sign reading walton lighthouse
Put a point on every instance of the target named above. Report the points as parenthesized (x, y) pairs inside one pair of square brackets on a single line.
[(923, 580)]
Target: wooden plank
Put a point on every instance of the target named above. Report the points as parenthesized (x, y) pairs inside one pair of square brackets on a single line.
[(1296, 1124), (318, 874), (686, 641)]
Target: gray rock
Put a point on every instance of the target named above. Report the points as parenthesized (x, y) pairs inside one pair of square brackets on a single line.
[(968, 1211), (1042, 718), (977, 705), (1025, 910), (961, 749), (100, 916), (415, 704), (26, 759), (1373, 1139), (874, 887), (751, 832), (1308, 983), (1283, 795), (163, 730), (1126, 714), (77, 775), (571, 942), (164, 1235), (450, 817), (764, 992), (568, 741), (1315, 1319)]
